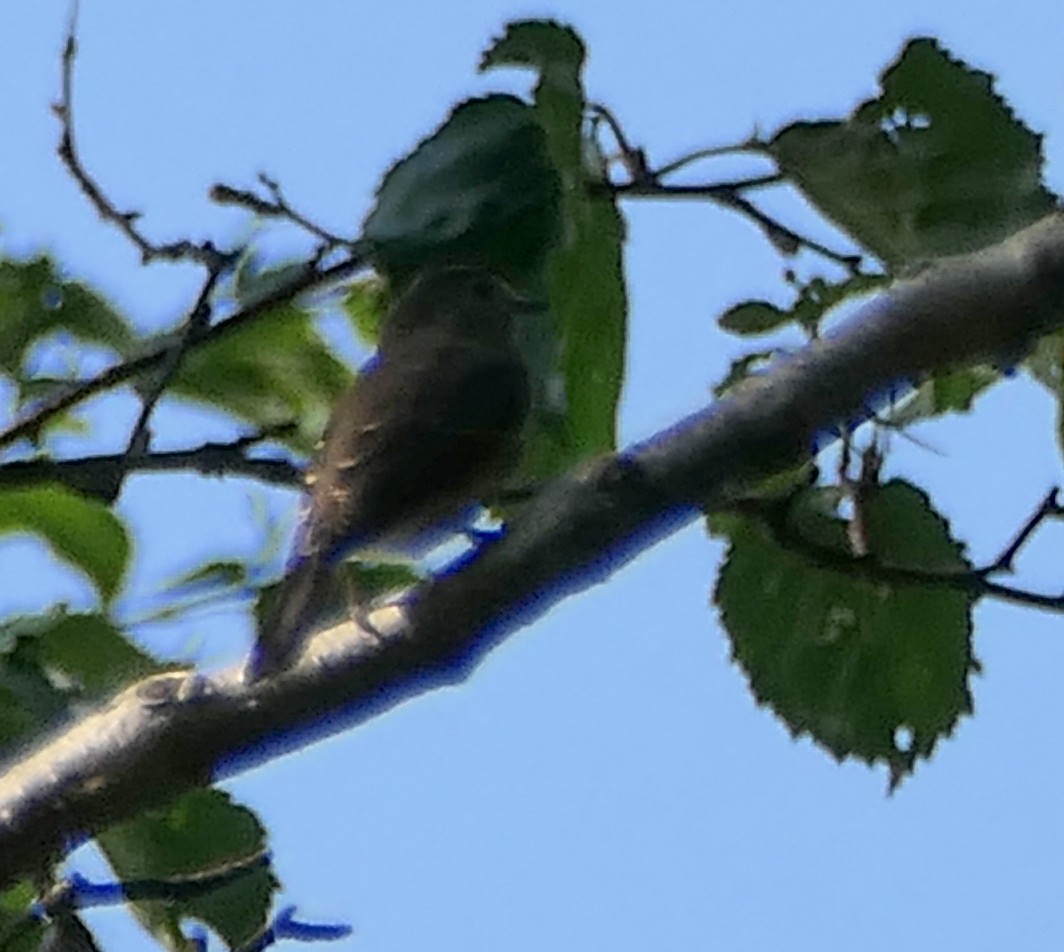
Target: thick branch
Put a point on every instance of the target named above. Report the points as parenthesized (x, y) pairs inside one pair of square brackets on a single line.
[(175, 731)]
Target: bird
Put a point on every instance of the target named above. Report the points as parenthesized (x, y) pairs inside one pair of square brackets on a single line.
[(430, 427)]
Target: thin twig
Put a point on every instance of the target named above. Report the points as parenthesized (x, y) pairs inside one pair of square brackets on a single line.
[(974, 581), (727, 194), (699, 154), (1049, 506), (198, 321), (711, 190), (310, 278), (277, 207), (633, 159), (646, 182), (205, 254), (97, 476)]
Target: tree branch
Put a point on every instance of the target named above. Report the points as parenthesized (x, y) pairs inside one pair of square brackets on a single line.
[(310, 278), (178, 730), (276, 207), (860, 564), (98, 476), (205, 254), (164, 358), (647, 182)]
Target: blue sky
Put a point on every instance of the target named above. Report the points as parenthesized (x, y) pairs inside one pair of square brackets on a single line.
[(604, 780)]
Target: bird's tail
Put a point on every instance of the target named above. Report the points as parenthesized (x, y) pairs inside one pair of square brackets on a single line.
[(299, 600)]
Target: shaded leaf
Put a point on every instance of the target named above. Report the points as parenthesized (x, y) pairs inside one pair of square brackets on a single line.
[(948, 392), (365, 304), (585, 277), (754, 317), (253, 282), (217, 574), (748, 365), (31, 702), (868, 669), (18, 933), (91, 651), (481, 189), (814, 300), (936, 165), (49, 662), (202, 831), (36, 302), (269, 372)]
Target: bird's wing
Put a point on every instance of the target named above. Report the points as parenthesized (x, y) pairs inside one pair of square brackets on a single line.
[(423, 431)]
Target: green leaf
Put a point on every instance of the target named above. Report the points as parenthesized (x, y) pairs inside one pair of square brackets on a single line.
[(219, 573), (378, 578), (270, 371), (19, 932), (36, 302), (91, 651), (253, 282), (202, 831), (585, 269), (365, 304), (948, 392), (31, 703), (80, 531), (198, 588), (936, 165), (481, 188), (813, 301), (749, 365), (754, 317), (868, 669), (52, 661)]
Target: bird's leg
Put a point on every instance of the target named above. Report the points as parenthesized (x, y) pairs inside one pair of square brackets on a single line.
[(358, 609), (503, 497), (360, 616)]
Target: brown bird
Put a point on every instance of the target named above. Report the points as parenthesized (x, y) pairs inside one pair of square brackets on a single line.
[(431, 425)]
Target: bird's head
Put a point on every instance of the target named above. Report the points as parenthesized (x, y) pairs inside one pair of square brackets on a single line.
[(467, 301)]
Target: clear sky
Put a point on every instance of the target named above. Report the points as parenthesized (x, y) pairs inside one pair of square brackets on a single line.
[(604, 780)]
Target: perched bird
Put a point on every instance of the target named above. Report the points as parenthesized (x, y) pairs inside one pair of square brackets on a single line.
[(431, 425)]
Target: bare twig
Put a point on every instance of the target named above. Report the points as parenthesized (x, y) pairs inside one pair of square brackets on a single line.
[(633, 159), (1048, 508), (710, 190), (166, 361), (205, 254), (646, 182), (98, 476), (728, 194), (700, 154), (198, 321), (974, 581), (310, 278), (276, 207)]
